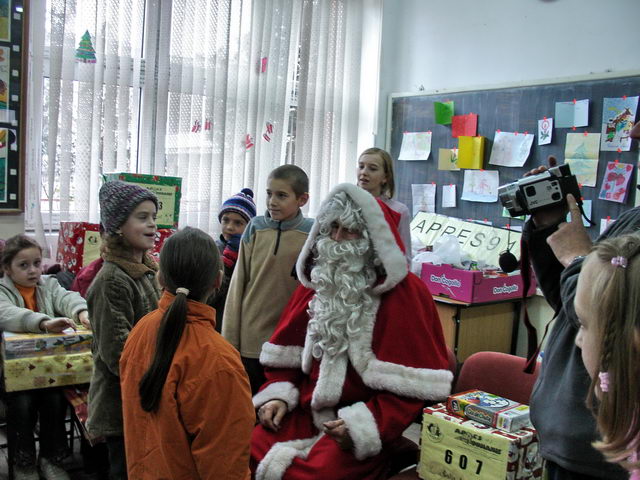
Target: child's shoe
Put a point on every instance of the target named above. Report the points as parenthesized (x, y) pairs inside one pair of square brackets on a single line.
[(51, 471), (25, 473)]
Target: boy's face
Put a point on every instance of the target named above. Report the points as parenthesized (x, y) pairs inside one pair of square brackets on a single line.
[(232, 224), (282, 202)]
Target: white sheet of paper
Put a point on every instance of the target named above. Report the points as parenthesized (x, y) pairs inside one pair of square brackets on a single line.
[(424, 197), (448, 196), (586, 205), (545, 131), (415, 146), (510, 149), (572, 114), (480, 186), (604, 223)]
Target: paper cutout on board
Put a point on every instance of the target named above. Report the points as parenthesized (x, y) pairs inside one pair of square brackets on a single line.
[(424, 198), (572, 114), (545, 131), (443, 111), (581, 153), (480, 186), (615, 184), (415, 146), (586, 206), (510, 149), (464, 125), (618, 116), (470, 152), (605, 223), (448, 159), (448, 196)]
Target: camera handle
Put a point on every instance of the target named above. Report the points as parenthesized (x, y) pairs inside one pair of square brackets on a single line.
[(591, 222), (507, 260)]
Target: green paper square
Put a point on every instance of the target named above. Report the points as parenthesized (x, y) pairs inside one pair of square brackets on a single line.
[(443, 112)]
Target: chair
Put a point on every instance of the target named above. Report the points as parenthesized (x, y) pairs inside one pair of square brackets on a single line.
[(498, 373)]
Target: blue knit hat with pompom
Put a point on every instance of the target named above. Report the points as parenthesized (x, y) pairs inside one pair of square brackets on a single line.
[(241, 203)]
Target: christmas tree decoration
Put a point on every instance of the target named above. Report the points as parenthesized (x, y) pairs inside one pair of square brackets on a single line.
[(85, 52)]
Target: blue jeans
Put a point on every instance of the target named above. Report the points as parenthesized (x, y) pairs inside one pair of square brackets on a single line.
[(23, 411)]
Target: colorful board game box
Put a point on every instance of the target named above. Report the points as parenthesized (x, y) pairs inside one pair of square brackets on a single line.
[(489, 409)]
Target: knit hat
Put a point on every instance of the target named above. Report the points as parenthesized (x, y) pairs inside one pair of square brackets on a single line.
[(241, 203), (117, 200)]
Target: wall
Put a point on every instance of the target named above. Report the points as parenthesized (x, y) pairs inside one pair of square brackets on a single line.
[(455, 44), (448, 45), (11, 225)]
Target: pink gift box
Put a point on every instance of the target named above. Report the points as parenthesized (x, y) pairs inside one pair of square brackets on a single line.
[(472, 286)]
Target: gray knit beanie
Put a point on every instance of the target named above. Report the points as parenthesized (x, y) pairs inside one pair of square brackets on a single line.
[(117, 200)]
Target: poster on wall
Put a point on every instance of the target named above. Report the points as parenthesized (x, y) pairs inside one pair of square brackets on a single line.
[(4, 83), (618, 116), (5, 20), (4, 172)]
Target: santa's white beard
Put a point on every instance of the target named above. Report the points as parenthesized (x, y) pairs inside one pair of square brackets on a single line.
[(342, 278)]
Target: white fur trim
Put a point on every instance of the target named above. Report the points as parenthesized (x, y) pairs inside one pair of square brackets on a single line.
[(384, 243), (328, 389), (281, 455), (363, 430), (285, 391), (280, 356)]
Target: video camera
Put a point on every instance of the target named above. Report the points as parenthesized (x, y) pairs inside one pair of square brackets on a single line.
[(530, 194)]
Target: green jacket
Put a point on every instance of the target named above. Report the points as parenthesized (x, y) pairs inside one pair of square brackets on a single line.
[(121, 294)]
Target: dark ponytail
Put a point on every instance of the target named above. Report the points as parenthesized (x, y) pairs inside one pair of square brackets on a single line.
[(189, 260)]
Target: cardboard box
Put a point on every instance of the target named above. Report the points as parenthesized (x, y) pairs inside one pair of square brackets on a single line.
[(78, 245), (167, 189), (23, 345), (47, 371), (490, 410), (457, 448), (472, 286)]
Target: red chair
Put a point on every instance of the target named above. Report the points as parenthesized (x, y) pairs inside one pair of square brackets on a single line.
[(498, 373)]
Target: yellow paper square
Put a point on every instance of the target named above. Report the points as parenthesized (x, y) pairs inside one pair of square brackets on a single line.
[(470, 152)]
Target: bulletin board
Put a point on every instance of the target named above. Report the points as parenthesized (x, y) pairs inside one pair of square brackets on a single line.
[(13, 77), (508, 109)]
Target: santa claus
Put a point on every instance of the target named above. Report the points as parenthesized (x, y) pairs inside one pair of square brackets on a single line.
[(357, 351)]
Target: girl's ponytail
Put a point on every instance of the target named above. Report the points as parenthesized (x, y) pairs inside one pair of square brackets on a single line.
[(189, 267)]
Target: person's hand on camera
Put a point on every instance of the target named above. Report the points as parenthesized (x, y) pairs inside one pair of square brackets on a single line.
[(552, 215), (571, 238)]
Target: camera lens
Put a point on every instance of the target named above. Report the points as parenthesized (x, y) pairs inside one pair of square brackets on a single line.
[(555, 196), (531, 191)]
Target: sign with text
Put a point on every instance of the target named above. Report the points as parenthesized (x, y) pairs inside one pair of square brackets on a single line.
[(480, 242)]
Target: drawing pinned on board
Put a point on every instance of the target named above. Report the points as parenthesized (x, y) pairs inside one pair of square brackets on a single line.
[(581, 153), (510, 149), (424, 198), (471, 152), (545, 131), (586, 208), (448, 196), (415, 146), (443, 112), (605, 223), (615, 184), (618, 116), (448, 159), (505, 213), (466, 125), (572, 114), (481, 186)]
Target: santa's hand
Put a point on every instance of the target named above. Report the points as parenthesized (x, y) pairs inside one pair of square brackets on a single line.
[(270, 414), (571, 239), (338, 430)]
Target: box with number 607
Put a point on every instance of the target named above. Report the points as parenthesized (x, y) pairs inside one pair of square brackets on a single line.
[(455, 448)]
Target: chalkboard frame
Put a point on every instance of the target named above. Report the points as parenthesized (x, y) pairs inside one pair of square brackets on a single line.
[(413, 112)]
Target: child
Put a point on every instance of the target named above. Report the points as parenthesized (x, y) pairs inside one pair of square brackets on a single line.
[(183, 385), (375, 175), (607, 303), (31, 302), (123, 292), (234, 217), (262, 282)]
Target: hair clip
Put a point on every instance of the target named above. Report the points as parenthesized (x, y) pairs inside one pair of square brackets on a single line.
[(182, 290), (619, 262), (604, 381)]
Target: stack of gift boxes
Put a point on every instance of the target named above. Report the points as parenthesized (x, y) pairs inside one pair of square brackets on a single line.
[(479, 435), (34, 360), (79, 242)]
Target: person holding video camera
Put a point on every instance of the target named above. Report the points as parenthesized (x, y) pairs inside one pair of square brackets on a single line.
[(559, 412)]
